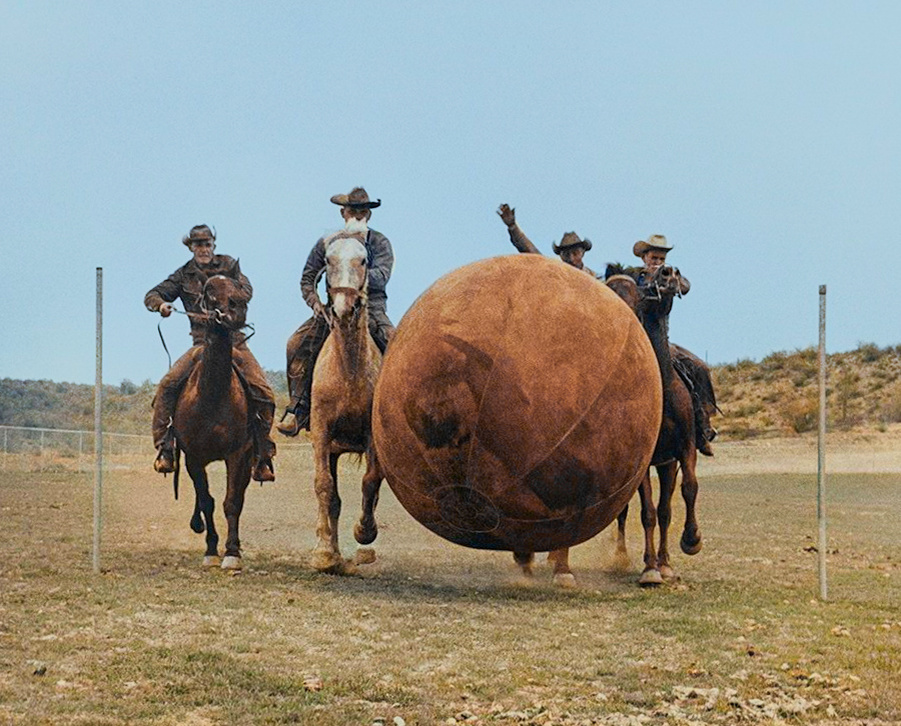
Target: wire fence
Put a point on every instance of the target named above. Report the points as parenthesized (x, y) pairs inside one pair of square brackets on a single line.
[(35, 449)]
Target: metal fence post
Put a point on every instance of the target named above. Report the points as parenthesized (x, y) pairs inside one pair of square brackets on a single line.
[(98, 440), (821, 451)]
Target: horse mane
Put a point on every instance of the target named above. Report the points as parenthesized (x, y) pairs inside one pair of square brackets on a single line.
[(614, 268)]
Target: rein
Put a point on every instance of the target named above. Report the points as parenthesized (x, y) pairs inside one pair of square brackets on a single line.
[(206, 315)]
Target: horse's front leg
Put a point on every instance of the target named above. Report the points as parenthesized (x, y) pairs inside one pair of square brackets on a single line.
[(204, 504), (563, 576), (667, 474), (651, 574), (237, 469), (326, 556), (366, 530), (691, 535)]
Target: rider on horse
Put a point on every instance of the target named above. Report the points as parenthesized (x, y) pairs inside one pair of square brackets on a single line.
[(693, 370), (571, 248), (306, 342), (187, 283)]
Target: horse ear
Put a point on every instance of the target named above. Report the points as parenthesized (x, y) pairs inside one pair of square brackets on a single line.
[(614, 268)]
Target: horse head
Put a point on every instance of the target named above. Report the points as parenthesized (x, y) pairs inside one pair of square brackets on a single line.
[(346, 275), (224, 302)]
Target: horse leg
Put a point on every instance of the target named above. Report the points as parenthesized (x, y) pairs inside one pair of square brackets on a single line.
[(651, 575), (203, 504), (563, 576), (366, 530), (691, 535), (667, 474), (326, 556), (237, 469), (525, 560), (621, 555)]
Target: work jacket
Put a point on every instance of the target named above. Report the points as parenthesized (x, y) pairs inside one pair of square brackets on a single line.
[(187, 284)]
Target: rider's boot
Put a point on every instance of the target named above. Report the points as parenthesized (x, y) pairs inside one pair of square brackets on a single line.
[(165, 459), (704, 432), (263, 469), (297, 418)]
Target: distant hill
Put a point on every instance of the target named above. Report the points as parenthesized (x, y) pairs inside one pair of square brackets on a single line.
[(773, 397)]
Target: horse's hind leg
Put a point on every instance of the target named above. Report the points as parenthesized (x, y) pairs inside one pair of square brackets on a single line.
[(204, 504), (621, 555), (691, 535), (238, 474), (563, 576), (366, 530), (327, 556)]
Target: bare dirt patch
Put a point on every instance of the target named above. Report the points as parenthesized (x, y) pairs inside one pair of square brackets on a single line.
[(436, 634)]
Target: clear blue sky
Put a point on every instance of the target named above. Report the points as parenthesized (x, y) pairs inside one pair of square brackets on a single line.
[(761, 138)]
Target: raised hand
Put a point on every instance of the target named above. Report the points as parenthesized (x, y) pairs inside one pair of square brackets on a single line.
[(507, 214)]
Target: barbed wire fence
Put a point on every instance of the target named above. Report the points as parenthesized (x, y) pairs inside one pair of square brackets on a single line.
[(35, 449)]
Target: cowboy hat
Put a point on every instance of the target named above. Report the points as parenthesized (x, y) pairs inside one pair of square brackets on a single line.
[(356, 199), (199, 233), (654, 242), (571, 239)]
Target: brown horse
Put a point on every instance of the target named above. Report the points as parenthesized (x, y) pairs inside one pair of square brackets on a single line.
[(341, 414), (211, 420), (675, 444)]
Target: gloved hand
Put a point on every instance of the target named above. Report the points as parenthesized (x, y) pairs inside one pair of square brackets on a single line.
[(507, 214)]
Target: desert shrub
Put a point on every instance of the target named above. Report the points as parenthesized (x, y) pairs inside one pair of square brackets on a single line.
[(891, 408), (869, 352), (799, 412)]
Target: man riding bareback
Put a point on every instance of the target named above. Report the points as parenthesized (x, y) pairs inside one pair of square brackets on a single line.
[(187, 283), (306, 342)]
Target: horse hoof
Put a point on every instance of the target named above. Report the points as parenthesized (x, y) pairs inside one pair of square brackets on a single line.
[(691, 547), (211, 561), (365, 535), (327, 562), (364, 556), (650, 578), (565, 580), (197, 524), (667, 572), (230, 562)]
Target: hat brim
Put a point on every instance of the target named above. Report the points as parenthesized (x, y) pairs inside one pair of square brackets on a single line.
[(640, 247), (342, 201), (584, 244), (188, 241)]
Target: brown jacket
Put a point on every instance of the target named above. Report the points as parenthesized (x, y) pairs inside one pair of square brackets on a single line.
[(187, 283)]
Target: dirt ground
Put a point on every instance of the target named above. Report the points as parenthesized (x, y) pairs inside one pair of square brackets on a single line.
[(847, 452)]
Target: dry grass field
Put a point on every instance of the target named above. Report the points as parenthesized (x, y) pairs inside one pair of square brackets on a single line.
[(436, 634)]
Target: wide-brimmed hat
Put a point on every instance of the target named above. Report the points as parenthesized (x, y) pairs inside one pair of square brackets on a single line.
[(199, 233), (356, 199), (654, 242), (571, 239)]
